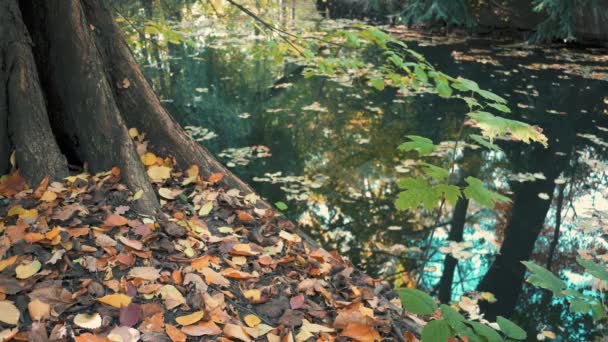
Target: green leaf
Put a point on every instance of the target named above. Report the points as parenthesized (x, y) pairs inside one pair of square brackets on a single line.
[(281, 205), (377, 83), (463, 84), (436, 172), (483, 330), (598, 311), (454, 318), (510, 329), (477, 192), (416, 301), (419, 144), (421, 74), (436, 331), (443, 87), (451, 192), (544, 278), (500, 107), (417, 191), (594, 269), (492, 126), (579, 306), (491, 96), (483, 142)]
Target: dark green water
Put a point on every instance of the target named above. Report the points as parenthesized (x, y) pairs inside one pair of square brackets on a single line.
[(328, 151)]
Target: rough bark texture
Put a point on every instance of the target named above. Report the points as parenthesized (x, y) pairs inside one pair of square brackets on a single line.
[(23, 110), (81, 101), (140, 106)]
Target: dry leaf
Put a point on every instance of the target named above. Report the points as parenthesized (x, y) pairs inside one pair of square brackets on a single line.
[(216, 177), (236, 331), (148, 159), (116, 300), (361, 333), (252, 320), (28, 270), (92, 321), (9, 313), (174, 334), (212, 277), (190, 319), (114, 220), (48, 196), (202, 329), (39, 310), (159, 173), (144, 272)]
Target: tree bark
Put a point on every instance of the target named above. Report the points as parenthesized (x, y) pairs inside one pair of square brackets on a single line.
[(140, 106), (23, 114), (81, 102)]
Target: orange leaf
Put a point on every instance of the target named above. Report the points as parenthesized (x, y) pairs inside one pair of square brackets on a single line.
[(361, 333), (41, 188), (116, 300), (174, 334), (202, 329), (53, 233), (12, 185), (252, 320), (216, 177), (214, 278), (88, 337), (115, 220), (245, 216), (33, 237), (237, 332), (190, 319), (7, 262)]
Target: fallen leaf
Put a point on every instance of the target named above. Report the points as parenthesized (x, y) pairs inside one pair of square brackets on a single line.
[(27, 270), (172, 297), (253, 295), (144, 272), (174, 334), (205, 209), (202, 329), (245, 216), (148, 159), (114, 220), (252, 320), (92, 321), (159, 173), (216, 177), (131, 243), (9, 313), (236, 331), (190, 319), (7, 262), (124, 334), (361, 333), (116, 300), (38, 310), (212, 277), (48, 196)]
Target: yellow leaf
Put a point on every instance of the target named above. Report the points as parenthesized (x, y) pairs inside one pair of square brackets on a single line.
[(116, 300), (290, 237), (87, 321), (48, 196), (138, 195), (28, 270), (159, 173), (205, 209), (148, 159), (253, 295), (133, 133), (252, 320), (9, 313), (190, 319), (39, 310)]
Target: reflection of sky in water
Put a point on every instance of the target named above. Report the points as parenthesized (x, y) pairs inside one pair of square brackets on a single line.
[(335, 148)]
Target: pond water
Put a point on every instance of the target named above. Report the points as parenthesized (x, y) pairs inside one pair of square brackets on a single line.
[(328, 150)]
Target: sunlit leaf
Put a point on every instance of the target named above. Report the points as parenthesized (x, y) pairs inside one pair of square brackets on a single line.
[(416, 301), (477, 192)]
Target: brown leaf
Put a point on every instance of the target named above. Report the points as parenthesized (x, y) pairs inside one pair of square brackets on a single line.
[(297, 301), (212, 277), (114, 220), (39, 310), (190, 319), (236, 331), (361, 333), (174, 334), (245, 216), (202, 329), (9, 313)]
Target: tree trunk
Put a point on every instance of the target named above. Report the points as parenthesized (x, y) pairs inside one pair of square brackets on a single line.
[(140, 106), (24, 124)]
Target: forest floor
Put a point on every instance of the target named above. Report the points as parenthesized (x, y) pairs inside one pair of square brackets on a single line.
[(78, 261)]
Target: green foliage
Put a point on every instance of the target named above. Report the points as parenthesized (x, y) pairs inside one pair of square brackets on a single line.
[(476, 191), (436, 331), (580, 302), (417, 302), (449, 12), (494, 127), (419, 144), (281, 205), (510, 329)]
